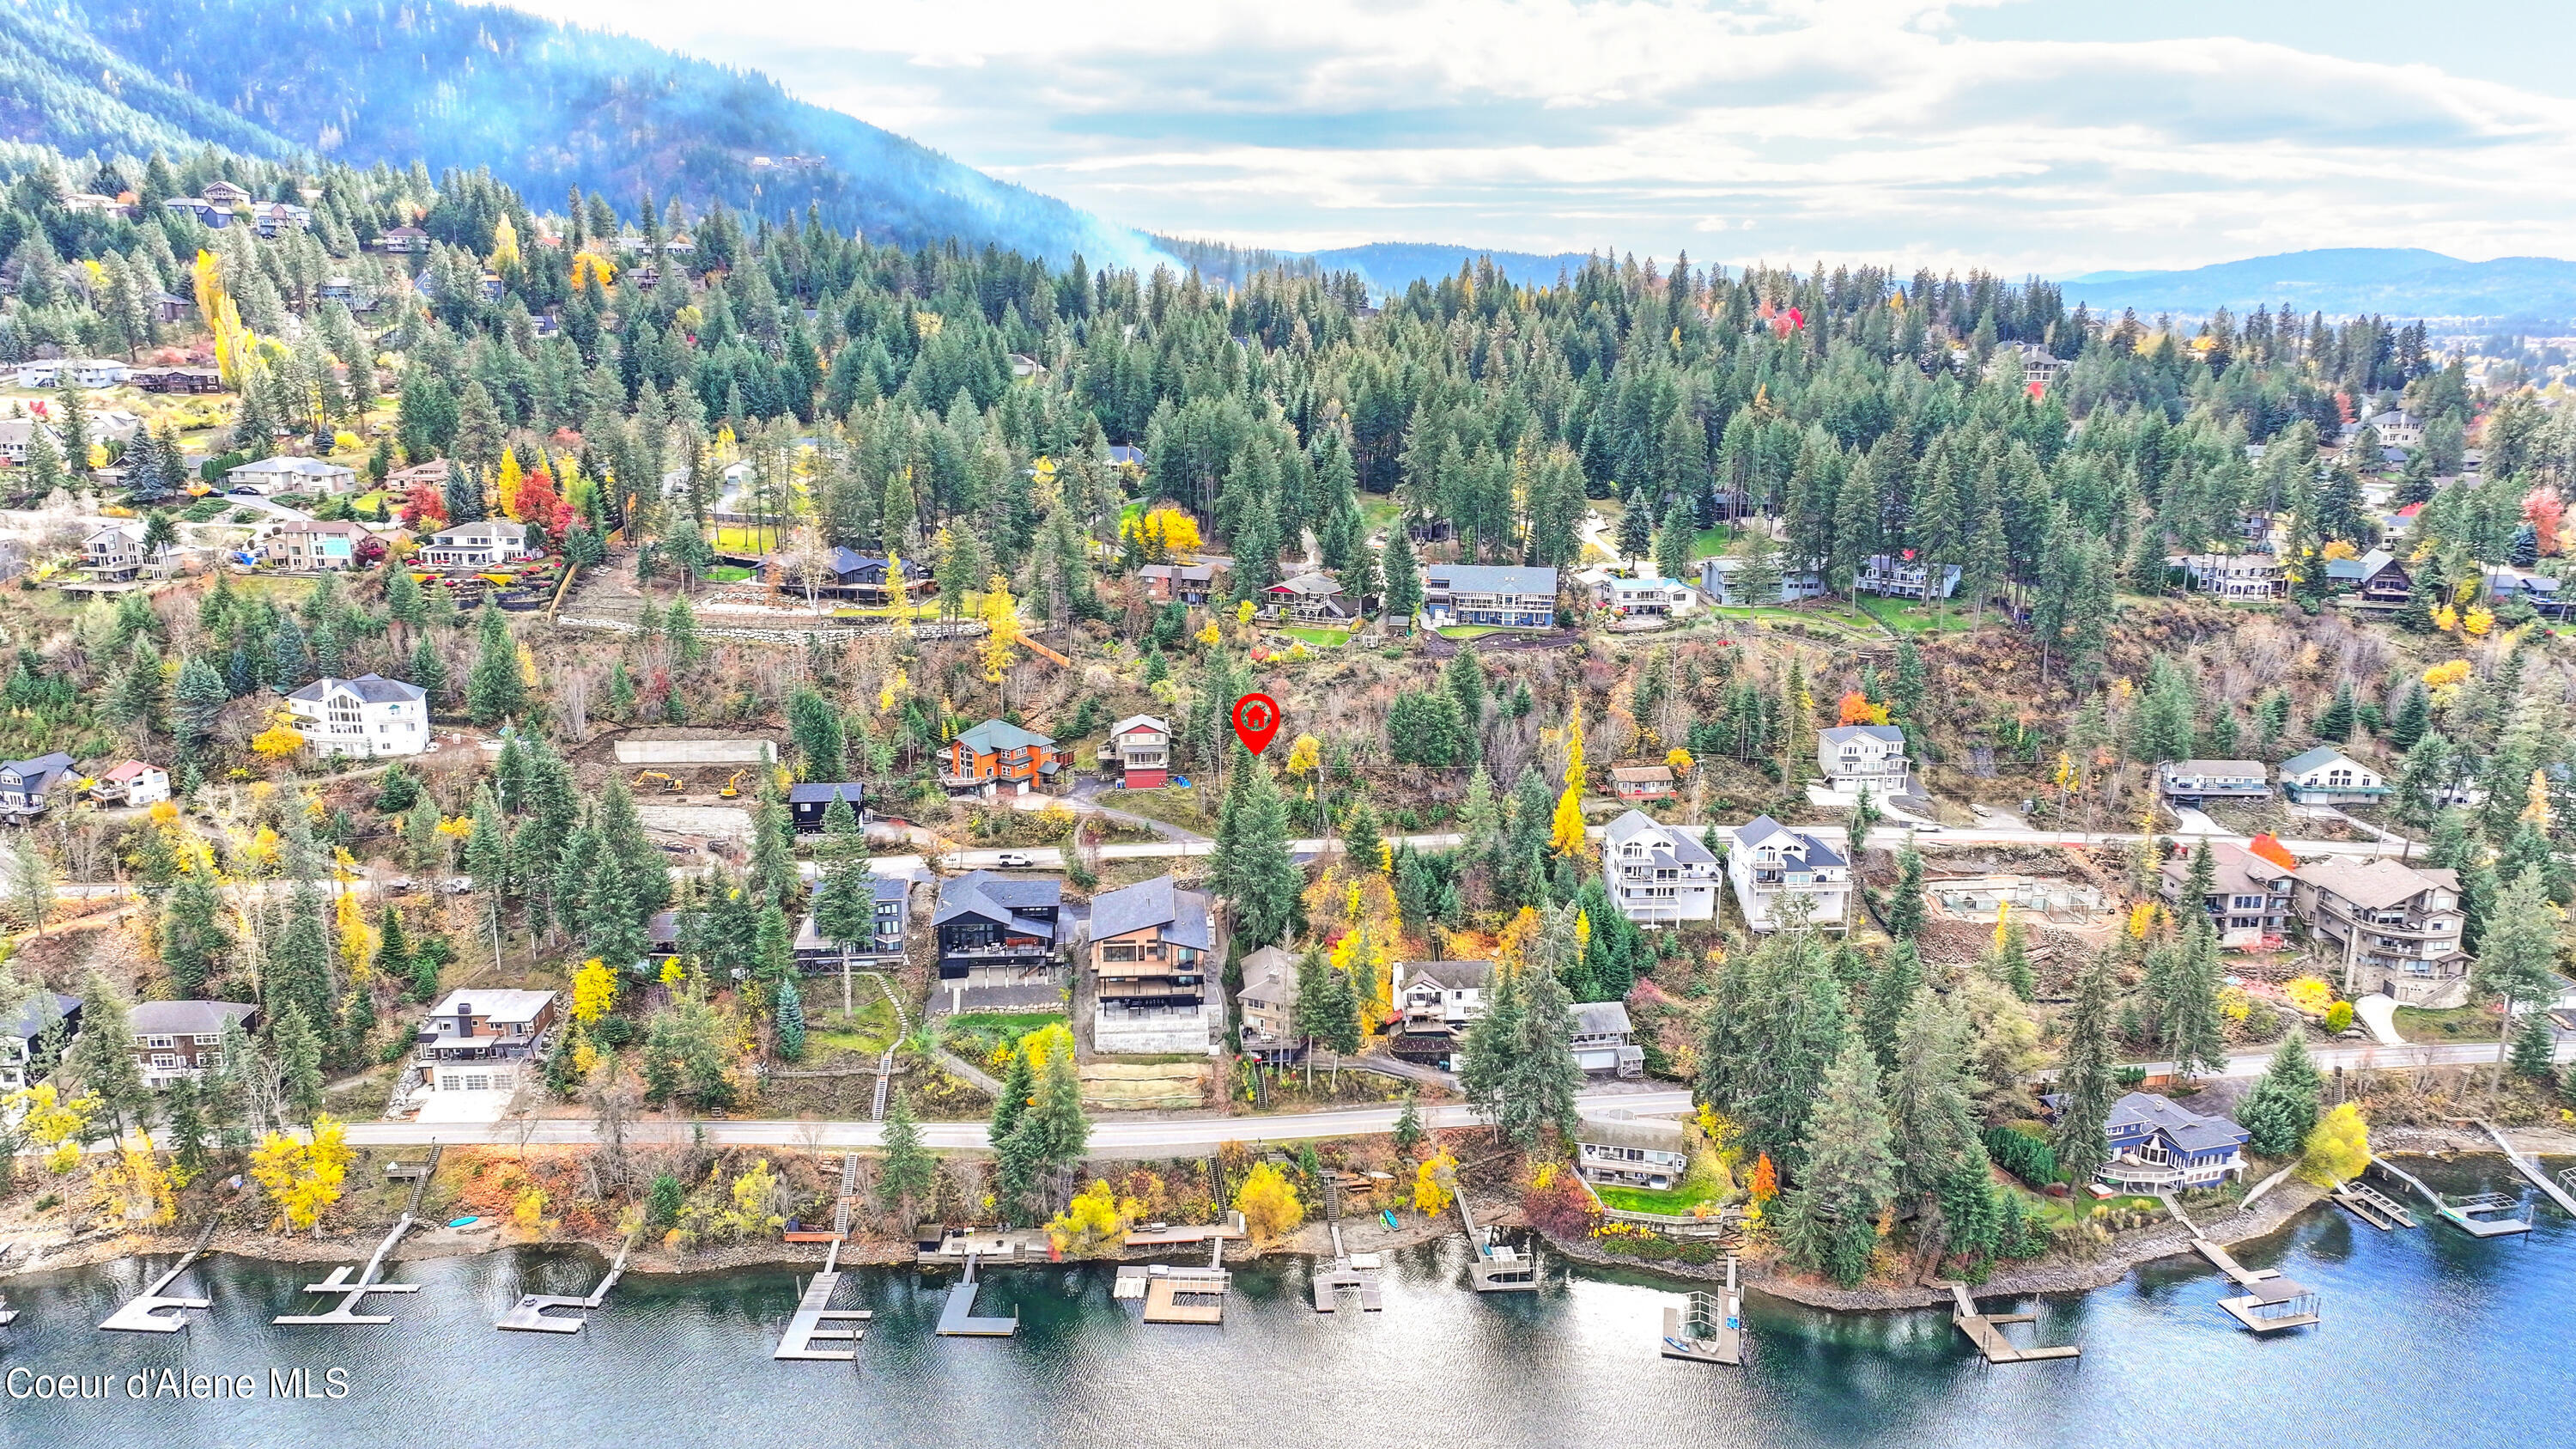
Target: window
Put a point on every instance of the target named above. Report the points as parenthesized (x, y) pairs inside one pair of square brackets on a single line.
[(1118, 951), (203, 1040), (165, 1059), (161, 1041)]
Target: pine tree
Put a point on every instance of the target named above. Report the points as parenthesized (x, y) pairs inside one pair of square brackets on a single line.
[(193, 937), (1403, 578), (791, 1019), (1891, 995), (2281, 1110), (2336, 723), (495, 691), (2534, 1047), (299, 1060), (1019, 1084), (1408, 1123), (903, 1182), (2084, 1076), (1833, 1213), (2517, 959), (1905, 916), (2194, 1036), (102, 1056), (1934, 1122)]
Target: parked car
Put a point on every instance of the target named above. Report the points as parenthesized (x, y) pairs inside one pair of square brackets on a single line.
[(1014, 860)]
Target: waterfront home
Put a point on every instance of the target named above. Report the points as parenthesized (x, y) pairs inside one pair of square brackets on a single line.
[(1657, 874), (1863, 757), (1646, 598), (1269, 1002), (368, 715), (997, 931), (2159, 1145), (2233, 575), (1605, 1044), (1435, 1003), (1642, 782), (313, 547), (292, 475), (1770, 865), (1153, 956), (485, 543), (1615, 1149), (808, 803), (480, 1039), (1902, 577), (1502, 598), (998, 757), (23, 1028), (1142, 745), (1166, 583), (131, 783), (2249, 895), (2328, 776), (28, 787), (1307, 599), (174, 1039), (2196, 782), (2397, 928), (1717, 579)]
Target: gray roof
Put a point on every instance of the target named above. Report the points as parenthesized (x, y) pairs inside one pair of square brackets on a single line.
[(1134, 721), (819, 792), (36, 1013), (184, 1018), (41, 770), (373, 688), (301, 467), (1682, 846), (1269, 975), (2372, 885), (1489, 579), (996, 735), (1182, 916), (1601, 1018), (1618, 1129), (1449, 975), (495, 1003), (2188, 1129), (2318, 758), (2214, 767), (1762, 827), (1309, 584), (1840, 733), (999, 898)]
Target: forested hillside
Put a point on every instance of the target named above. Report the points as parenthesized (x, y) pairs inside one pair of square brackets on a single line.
[(544, 107)]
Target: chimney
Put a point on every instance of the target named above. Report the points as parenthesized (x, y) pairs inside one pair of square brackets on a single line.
[(464, 1018)]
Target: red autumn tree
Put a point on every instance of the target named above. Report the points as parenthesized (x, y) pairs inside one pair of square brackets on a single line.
[(541, 508), (1857, 710), (1766, 1180), (2542, 508), (424, 506)]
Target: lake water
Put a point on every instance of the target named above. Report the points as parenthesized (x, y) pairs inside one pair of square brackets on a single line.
[(2430, 1338)]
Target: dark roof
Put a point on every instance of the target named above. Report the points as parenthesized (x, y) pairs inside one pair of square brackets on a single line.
[(373, 688), (40, 770), (999, 898), (819, 792), (1762, 827), (1489, 579), (184, 1018), (2187, 1129), (36, 1013), (1182, 916)]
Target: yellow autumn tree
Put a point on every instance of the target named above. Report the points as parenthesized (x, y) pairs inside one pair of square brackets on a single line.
[(2477, 622), (1565, 832), (506, 482), (280, 740), (594, 991), (586, 265), (303, 1178), (136, 1188), (1269, 1204), (1431, 1184), (505, 244), (356, 934), (1210, 634), (2535, 801), (891, 692), (53, 1124), (2338, 1149), (1001, 616), (1679, 761), (1094, 1223)]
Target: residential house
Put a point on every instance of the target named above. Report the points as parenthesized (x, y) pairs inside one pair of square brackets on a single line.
[(1899, 576), (486, 543), (998, 757), (271, 217), (1605, 1045), (2233, 575), (1124, 456), (997, 931), (2505, 584), (1497, 597), (1617, 1150), (1717, 579), (313, 547), (1307, 599), (132, 783), (1143, 747), (2159, 1145), (1165, 583), (432, 474), (1646, 598), (1863, 757), (1771, 865), (883, 943), (114, 553), (2397, 928), (482, 1038), (2249, 895), (403, 241), (167, 308), (1435, 1003), (17, 435), (205, 211), (87, 373), (846, 573), (29, 787), (226, 193), (174, 1039), (2328, 776), (1642, 782), (2397, 428), (1269, 1002), (368, 715), (2194, 782), (1153, 959), (808, 803), (1658, 874), (293, 475), (176, 379), (2375, 578), (22, 1034)]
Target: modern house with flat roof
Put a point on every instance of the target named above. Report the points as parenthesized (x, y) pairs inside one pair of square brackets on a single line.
[(1496, 597), (2194, 782), (998, 934)]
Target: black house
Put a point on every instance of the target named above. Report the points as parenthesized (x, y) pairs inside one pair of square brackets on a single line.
[(806, 804), (997, 931)]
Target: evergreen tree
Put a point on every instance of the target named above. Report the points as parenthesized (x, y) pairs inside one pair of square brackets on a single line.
[(904, 1179), (183, 1112), (2194, 1036), (2281, 1110), (1933, 1115), (202, 697), (1019, 1084), (791, 1019), (1905, 903), (1403, 578), (1833, 1212), (2336, 723), (193, 938), (1259, 874), (299, 1061), (102, 1056), (2517, 960), (495, 691), (1891, 995), (1518, 1067), (2084, 1076)]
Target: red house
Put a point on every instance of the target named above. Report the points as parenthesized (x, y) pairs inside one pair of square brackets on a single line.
[(1143, 745)]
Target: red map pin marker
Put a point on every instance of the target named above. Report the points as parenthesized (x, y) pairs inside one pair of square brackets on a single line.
[(1256, 719)]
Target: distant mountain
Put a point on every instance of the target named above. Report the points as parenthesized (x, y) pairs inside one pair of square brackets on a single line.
[(546, 107), (1394, 266), (2391, 281)]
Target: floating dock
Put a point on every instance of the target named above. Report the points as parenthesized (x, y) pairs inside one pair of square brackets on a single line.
[(2373, 1206), (152, 1312), (2269, 1302), (1498, 1267), (958, 1320), (817, 1321), (2528, 1168), (1707, 1327), (353, 1292), (531, 1313), (2468, 1214), (1349, 1272), (1986, 1331)]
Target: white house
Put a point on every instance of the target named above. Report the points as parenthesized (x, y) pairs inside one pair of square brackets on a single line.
[(17, 435), (1901, 577), (1450, 992), (2195, 781), (2328, 776), (1605, 1042), (1769, 864), (293, 475), (1647, 598), (1624, 1151), (1495, 597), (1717, 580), (475, 1047), (81, 372), (114, 553), (1863, 757), (482, 544), (132, 783), (368, 715), (1657, 874)]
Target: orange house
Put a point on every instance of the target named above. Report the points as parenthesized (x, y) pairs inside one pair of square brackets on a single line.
[(996, 757)]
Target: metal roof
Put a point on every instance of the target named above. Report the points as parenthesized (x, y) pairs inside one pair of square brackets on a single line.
[(184, 1018), (994, 736), (1181, 916)]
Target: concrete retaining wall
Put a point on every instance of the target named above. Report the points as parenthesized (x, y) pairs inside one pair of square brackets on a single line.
[(695, 752)]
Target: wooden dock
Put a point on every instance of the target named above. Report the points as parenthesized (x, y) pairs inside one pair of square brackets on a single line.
[(2528, 1168), (957, 1319), (1707, 1327), (817, 1321), (2468, 1214), (532, 1313), (153, 1313), (2269, 1302), (1986, 1331), (2373, 1206)]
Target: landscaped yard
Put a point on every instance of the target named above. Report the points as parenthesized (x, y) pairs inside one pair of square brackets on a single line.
[(1916, 618), (1173, 805), (2056, 1211), (1319, 638), (975, 1035), (728, 574), (1676, 1202), (739, 539), (1710, 542), (868, 1030), (2461, 1023), (1471, 631)]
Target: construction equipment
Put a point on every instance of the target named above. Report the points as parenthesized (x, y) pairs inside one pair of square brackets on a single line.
[(669, 785), (732, 788)]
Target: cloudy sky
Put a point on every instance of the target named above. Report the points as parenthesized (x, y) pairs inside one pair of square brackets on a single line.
[(2050, 135)]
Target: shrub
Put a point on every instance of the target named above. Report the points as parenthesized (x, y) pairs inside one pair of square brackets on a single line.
[(2024, 1156), (2339, 1017)]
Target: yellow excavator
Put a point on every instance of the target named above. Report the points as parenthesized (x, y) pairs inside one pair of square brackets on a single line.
[(732, 788), (667, 784)]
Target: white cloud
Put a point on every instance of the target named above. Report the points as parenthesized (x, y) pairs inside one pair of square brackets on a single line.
[(1847, 128)]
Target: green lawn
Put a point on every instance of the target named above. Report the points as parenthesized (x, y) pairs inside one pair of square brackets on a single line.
[(1173, 805), (868, 1030), (1320, 638), (1711, 542), (1915, 618), (2079, 1205), (1676, 1203), (1378, 513), (728, 574), (2464, 1023), (1474, 631), (975, 1035)]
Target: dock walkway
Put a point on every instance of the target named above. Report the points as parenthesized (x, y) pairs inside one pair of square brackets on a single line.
[(531, 1313), (1707, 1328), (353, 1292), (2269, 1302), (151, 1312), (817, 1321), (2532, 1170), (2373, 1206), (958, 1320), (1986, 1331), (2464, 1214)]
